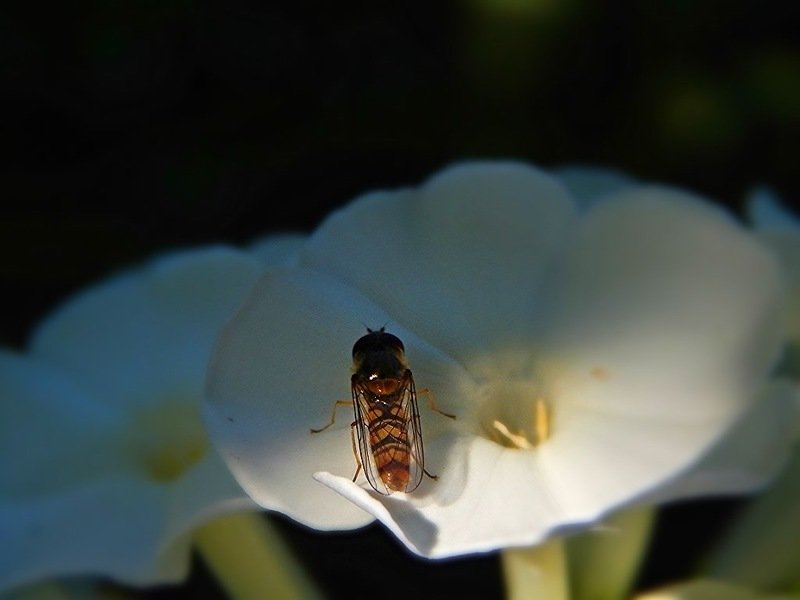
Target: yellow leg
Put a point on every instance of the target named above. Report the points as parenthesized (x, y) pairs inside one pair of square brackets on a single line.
[(432, 402), (431, 475), (355, 452), (336, 404)]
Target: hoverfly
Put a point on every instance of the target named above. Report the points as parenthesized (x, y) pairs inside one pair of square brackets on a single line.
[(387, 423)]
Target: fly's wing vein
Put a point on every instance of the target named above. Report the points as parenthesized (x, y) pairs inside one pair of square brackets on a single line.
[(361, 403), (414, 429)]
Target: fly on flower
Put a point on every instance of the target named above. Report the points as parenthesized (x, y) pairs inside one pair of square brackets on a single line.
[(387, 422)]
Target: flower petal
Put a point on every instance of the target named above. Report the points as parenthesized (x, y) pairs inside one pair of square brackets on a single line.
[(52, 434), (73, 532), (590, 184), (749, 456), (780, 231), (500, 503), (278, 368), (666, 342), (767, 212), (278, 249), (147, 333), (666, 296), (460, 261)]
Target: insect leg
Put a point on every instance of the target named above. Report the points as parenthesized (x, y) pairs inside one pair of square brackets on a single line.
[(355, 453), (434, 477), (432, 404), (333, 414)]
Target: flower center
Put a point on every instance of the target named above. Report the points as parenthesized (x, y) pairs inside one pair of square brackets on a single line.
[(515, 414), (167, 439)]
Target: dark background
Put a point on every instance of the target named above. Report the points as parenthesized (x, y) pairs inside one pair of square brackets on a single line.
[(134, 127)]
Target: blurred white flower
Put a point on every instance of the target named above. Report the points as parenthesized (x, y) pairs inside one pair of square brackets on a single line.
[(780, 230), (589, 184), (759, 551), (278, 248), (106, 468), (594, 358), (767, 213)]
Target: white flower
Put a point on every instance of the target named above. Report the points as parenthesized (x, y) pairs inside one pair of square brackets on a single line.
[(780, 230), (759, 551), (589, 184), (278, 248), (767, 213), (105, 465), (592, 358)]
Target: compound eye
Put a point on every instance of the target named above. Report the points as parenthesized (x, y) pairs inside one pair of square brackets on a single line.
[(377, 341), (394, 342), (361, 345)]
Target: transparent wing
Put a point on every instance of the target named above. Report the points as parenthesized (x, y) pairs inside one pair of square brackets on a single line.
[(389, 437), (363, 403), (414, 434)]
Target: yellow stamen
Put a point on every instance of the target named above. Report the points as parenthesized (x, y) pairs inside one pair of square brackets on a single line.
[(518, 441), (537, 430)]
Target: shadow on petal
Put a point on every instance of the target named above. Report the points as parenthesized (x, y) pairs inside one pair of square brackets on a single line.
[(418, 533)]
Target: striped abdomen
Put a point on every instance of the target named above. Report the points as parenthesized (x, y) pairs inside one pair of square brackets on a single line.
[(389, 443)]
